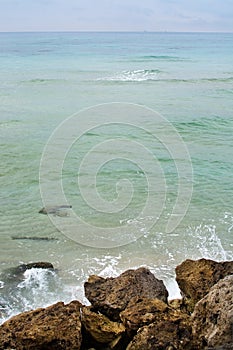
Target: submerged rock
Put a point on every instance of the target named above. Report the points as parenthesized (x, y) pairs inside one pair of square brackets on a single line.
[(56, 327), (34, 238), (196, 277), (110, 296), (213, 316), (56, 210)]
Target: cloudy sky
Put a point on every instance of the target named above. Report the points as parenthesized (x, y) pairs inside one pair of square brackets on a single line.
[(116, 15)]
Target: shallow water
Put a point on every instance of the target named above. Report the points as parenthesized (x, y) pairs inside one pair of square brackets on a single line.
[(47, 77)]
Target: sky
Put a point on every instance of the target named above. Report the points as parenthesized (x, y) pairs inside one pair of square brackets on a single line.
[(116, 15)]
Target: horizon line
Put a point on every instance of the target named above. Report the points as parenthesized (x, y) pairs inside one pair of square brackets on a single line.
[(114, 31)]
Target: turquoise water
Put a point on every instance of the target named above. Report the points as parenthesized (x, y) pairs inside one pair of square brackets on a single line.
[(47, 77)]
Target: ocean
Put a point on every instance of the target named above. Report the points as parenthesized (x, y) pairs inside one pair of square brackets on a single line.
[(134, 131)]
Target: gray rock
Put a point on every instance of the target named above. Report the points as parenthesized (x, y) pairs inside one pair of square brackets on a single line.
[(59, 210), (34, 238)]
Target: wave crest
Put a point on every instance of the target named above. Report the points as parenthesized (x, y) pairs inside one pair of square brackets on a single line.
[(134, 75)]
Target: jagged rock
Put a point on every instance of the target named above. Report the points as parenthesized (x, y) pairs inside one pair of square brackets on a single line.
[(164, 335), (196, 277), (53, 328), (176, 304), (110, 296), (100, 327), (142, 311), (213, 316)]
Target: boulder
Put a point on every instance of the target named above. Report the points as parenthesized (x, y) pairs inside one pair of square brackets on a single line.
[(169, 329), (110, 296), (164, 335), (213, 316), (142, 311), (55, 327), (100, 327), (195, 278)]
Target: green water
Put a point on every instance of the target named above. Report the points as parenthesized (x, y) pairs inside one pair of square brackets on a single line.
[(46, 78)]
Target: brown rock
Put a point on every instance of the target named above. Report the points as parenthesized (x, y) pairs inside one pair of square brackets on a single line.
[(195, 278), (143, 311), (110, 296), (176, 304), (213, 316), (169, 327), (53, 328), (164, 335), (100, 327)]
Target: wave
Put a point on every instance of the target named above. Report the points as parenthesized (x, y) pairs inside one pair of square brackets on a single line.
[(42, 81), (9, 123), (160, 58), (200, 80), (134, 75), (213, 122), (143, 75)]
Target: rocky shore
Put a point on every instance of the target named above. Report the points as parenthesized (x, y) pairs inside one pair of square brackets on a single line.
[(132, 312)]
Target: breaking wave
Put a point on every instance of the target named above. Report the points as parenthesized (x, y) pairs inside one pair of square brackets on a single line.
[(134, 75)]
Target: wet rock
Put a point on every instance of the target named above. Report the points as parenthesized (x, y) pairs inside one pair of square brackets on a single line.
[(100, 327), (53, 328), (213, 316), (110, 296), (37, 265), (196, 277), (164, 335), (16, 273)]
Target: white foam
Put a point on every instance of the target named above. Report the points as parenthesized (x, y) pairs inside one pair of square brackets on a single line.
[(173, 289), (134, 75), (208, 243)]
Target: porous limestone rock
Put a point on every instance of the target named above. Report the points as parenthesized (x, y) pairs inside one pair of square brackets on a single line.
[(110, 296), (142, 311), (164, 335), (100, 327), (56, 327), (196, 277), (213, 316)]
